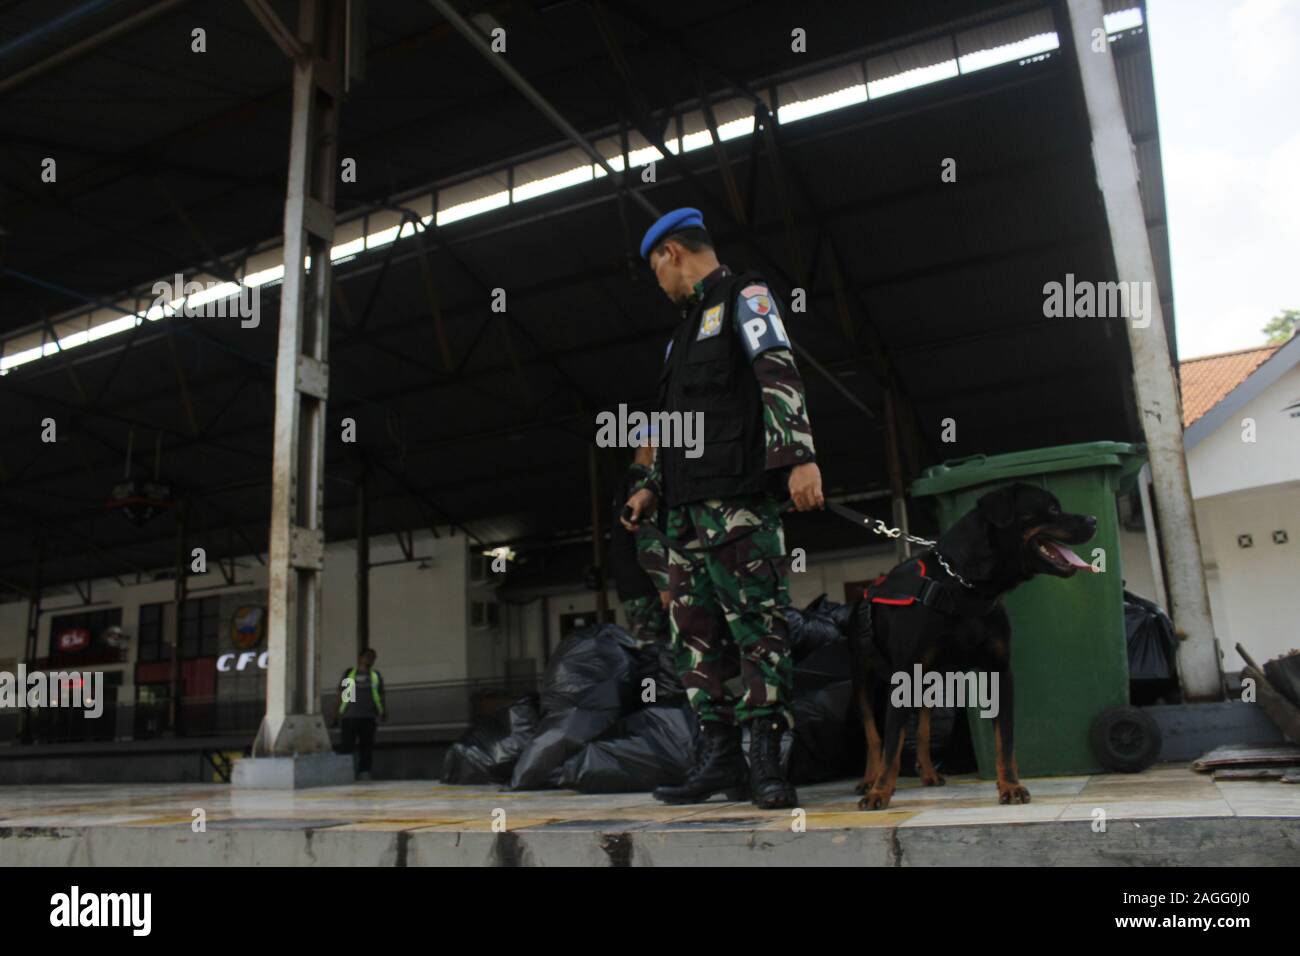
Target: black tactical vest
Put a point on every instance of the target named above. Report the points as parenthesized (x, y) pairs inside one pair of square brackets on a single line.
[(713, 375)]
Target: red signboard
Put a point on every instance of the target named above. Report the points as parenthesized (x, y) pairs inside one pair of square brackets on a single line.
[(73, 639)]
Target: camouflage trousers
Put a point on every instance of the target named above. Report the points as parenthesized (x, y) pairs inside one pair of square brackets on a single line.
[(647, 620), (726, 608), (652, 558)]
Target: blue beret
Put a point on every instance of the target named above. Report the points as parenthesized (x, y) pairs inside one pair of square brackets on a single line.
[(669, 223)]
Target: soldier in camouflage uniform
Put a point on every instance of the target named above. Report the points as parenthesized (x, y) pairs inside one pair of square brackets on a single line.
[(731, 362), (645, 605)]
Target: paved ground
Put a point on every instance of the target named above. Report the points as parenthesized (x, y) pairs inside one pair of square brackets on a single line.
[(1168, 815)]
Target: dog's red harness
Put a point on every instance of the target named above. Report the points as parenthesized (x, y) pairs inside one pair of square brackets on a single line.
[(878, 593), (909, 584)]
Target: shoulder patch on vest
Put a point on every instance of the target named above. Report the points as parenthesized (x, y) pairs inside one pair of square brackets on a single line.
[(759, 321), (711, 323)]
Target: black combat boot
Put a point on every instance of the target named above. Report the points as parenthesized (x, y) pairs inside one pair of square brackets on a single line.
[(719, 767), (766, 779)]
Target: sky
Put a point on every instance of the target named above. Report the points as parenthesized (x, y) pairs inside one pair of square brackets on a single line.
[(1227, 78)]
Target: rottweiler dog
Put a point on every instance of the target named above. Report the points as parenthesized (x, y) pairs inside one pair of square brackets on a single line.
[(942, 609)]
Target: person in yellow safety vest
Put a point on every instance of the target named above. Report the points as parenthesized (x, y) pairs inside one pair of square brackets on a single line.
[(360, 707)]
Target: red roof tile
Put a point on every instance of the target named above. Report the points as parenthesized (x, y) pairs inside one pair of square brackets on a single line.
[(1207, 380)]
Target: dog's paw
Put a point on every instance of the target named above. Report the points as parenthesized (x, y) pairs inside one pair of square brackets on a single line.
[(875, 799), (865, 784), (1012, 793), (935, 779)]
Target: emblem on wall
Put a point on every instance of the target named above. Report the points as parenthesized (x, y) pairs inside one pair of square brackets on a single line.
[(248, 627)]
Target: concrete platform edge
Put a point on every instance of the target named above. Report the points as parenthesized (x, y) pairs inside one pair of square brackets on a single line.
[(1184, 841)]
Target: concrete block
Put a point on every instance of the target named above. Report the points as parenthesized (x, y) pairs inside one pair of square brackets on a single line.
[(293, 773), (1189, 730)]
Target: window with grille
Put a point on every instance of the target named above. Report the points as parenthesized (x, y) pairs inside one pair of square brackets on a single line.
[(149, 633), (200, 623)]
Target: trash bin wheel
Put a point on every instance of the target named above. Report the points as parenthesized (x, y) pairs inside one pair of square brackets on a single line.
[(1125, 739)]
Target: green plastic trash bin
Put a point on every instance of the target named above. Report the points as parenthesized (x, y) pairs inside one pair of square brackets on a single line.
[(1069, 657)]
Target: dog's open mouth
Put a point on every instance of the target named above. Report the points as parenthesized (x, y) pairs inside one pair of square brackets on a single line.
[(1057, 554)]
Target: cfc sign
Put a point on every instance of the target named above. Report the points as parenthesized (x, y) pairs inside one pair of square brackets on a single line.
[(238, 662)]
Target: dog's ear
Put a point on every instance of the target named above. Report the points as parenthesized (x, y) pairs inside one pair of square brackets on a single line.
[(999, 506)]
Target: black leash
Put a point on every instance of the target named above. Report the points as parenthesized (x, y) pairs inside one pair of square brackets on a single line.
[(875, 525), (868, 523)]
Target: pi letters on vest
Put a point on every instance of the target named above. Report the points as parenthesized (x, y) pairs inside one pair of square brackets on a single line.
[(758, 321)]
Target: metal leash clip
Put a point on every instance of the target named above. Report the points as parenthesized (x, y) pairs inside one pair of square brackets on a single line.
[(879, 527)]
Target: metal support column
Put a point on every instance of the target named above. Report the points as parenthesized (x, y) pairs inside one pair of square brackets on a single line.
[(293, 723), (33, 631), (179, 594), (897, 484), (363, 567), (593, 476), (1159, 407)]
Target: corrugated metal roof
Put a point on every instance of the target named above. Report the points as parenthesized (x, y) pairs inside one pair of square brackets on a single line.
[(950, 275)]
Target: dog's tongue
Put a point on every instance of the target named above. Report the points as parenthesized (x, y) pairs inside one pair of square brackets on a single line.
[(1067, 554)]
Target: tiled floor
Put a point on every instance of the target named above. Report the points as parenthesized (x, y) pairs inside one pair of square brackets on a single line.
[(1171, 790)]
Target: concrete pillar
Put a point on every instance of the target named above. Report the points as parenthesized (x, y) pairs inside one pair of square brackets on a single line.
[(293, 736), (1155, 385)]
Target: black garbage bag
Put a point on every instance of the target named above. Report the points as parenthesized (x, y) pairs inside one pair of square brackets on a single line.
[(1152, 644), (597, 734), (655, 662), (816, 626), (488, 751), (839, 614), (654, 746), (828, 740), (587, 687), (1151, 640)]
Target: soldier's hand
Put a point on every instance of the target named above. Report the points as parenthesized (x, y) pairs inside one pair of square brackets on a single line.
[(641, 503), (806, 486)]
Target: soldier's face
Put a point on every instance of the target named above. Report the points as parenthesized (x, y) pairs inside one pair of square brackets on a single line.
[(666, 261)]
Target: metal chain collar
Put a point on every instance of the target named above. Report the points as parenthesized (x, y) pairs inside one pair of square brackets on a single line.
[(960, 580), (881, 528)]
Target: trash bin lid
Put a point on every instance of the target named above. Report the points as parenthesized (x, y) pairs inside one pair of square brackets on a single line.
[(991, 469)]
